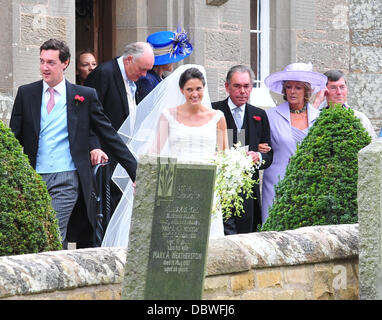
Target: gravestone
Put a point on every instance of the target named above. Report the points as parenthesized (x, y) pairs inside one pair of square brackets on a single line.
[(169, 230)]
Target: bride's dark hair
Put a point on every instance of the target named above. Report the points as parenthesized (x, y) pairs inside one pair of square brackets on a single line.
[(191, 73)]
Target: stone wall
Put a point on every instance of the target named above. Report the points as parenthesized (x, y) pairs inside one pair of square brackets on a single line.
[(6, 104), (370, 222), (218, 31), (365, 66), (345, 35), (222, 40), (307, 263), (25, 25), (333, 34)]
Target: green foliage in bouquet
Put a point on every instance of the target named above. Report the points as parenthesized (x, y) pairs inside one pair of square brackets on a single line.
[(320, 184), (27, 220), (234, 181)]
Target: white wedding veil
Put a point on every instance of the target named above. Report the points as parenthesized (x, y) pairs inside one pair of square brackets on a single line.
[(139, 140)]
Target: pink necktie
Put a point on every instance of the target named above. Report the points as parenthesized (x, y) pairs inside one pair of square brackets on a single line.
[(50, 104)]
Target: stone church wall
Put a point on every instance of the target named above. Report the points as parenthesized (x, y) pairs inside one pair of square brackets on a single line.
[(308, 263)]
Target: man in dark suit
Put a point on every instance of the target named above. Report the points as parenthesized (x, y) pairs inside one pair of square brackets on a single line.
[(114, 82), (52, 119), (250, 126)]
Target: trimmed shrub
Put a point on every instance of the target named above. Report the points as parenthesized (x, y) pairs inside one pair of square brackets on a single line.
[(27, 220), (320, 183)]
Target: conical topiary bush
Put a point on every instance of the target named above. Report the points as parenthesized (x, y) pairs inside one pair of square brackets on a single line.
[(320, 183), (27, 220)]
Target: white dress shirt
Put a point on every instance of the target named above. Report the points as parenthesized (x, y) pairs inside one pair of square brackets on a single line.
[(130, 90), (232, 106), (59, 90)]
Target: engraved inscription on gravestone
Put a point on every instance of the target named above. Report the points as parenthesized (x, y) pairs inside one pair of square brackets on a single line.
[(180, 219)]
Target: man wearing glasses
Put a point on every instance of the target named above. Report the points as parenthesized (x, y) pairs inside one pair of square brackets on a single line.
[(336, 92), (250, 126)]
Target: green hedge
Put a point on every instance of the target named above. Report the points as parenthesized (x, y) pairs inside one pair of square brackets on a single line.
[(320, 184), (27, 220)]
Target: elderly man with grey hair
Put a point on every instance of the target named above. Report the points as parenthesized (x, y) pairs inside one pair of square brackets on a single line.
[(336, 92), (114, 82), (249, 125)]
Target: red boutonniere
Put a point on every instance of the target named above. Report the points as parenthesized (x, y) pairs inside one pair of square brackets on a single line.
[(78, 99), (257, 118)]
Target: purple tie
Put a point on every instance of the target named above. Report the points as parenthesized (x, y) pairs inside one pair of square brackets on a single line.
[(50, 104)]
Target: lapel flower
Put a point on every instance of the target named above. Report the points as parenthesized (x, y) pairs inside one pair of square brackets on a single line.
[(78, 99), (257, 118)]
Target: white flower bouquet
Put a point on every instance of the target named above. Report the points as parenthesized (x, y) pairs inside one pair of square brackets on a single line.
[(234, 180)]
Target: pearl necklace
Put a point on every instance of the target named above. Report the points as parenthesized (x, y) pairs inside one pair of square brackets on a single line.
[(303, 109)]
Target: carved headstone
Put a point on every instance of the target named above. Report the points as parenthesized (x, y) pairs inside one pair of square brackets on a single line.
[(169, 230)]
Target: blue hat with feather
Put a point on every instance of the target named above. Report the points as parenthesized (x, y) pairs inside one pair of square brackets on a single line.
[(169, 47)]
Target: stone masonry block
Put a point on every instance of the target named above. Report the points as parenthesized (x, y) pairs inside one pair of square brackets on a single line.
[(350, 293), (323, 282), (323, 55), (224, 256), (243, 281), (324, 36), (365, 14), (364, 94), (258, 295), (290, 295), (269, 279), (36, 29), (301, 275), (371, 37), (366, 59), (217, 283), (80, 296), (104, 295), (223, 46)]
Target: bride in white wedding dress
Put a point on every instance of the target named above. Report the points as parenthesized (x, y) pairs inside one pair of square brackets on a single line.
[(175, 119)]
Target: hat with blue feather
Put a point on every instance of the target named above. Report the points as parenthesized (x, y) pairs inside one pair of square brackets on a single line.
[(169, 47)]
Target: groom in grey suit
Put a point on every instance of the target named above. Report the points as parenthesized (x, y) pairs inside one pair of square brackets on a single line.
[(52, 119)]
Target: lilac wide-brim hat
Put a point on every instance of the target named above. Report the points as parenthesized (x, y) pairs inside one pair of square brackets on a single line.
[(169, 47), (296, 72)]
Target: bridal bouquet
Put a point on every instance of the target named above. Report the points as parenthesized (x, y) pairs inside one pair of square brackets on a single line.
[(234, 180)]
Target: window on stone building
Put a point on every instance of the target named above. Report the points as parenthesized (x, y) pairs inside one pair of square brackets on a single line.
[(259, 34)]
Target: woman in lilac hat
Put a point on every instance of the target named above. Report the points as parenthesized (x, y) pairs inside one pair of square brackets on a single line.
[(169, 47), (289, 121)]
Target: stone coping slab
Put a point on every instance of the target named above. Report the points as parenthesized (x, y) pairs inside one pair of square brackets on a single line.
[(60, 270), (69, 269), (270, 249)]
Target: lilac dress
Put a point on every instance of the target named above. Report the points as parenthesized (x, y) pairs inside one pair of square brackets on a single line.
[(284, 139)]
